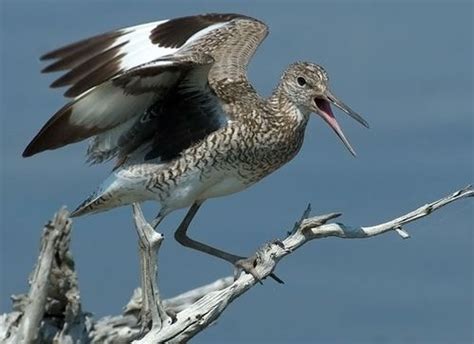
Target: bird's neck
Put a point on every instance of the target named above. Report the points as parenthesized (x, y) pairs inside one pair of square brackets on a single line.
[(283, 106)]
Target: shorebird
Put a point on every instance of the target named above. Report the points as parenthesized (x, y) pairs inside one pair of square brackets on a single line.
[(171, 102)]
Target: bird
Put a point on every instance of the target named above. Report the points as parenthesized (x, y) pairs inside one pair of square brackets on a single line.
[(171, 103)]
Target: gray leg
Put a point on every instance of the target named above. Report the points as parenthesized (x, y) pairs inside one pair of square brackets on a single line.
[(157, 220), (241, 263), (181, 237)]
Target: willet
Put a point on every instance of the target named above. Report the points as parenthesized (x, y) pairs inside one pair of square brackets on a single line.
[(170, 100)]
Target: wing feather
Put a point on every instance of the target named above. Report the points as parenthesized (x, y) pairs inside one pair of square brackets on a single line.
[(70, 55), (119, 78), (102, 108)]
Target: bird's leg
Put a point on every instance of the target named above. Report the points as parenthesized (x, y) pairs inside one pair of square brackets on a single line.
[(157, 220), (241, 263), (181, 236)]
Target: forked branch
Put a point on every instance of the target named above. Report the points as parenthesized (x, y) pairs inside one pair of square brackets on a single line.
[(58, 317), (206, 310)]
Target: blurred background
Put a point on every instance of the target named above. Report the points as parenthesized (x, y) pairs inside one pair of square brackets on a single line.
[(407, 67)]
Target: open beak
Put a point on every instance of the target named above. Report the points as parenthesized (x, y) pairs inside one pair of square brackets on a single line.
[(325, 111)]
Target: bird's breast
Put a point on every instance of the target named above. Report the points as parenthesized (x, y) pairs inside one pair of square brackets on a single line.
[(226, 162)]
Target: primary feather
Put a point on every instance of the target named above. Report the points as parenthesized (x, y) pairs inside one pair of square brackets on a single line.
[(142, 86)]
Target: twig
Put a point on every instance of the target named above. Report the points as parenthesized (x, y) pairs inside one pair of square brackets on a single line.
[(347, 232)]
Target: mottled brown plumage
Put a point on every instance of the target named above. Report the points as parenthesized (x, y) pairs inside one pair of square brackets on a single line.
[(171, 101)]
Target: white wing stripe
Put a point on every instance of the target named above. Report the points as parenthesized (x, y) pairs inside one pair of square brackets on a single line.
[(140, 49)]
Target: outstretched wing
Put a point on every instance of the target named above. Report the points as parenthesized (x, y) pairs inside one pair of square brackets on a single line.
[(129, 85)]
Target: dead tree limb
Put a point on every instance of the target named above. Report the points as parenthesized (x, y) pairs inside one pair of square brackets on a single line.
[(51, 311), (206, 310), (192, 312)]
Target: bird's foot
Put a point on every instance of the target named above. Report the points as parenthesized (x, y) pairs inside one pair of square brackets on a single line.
[(172, 314), (248, 265), (144, 321)]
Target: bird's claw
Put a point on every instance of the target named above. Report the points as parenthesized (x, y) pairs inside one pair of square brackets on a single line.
[(172, 314), (144, 321), (248, 265)]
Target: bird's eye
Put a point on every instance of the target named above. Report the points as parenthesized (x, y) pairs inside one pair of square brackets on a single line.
[(301, 81)]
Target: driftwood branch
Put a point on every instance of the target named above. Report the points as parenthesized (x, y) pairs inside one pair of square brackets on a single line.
[(202, 313), (51, 311), (174, 320), (149, 243)]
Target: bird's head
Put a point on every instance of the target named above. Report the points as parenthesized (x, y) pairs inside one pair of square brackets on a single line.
[(307, 85)]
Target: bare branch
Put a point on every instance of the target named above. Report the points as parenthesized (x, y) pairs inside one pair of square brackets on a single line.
[(29, 325), (195, 310), (149, 244), (343, 231), (206, 310), (52, 309), (124, 328)]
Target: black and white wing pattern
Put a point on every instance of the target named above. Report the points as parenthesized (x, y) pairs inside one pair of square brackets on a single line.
[(147, 88)]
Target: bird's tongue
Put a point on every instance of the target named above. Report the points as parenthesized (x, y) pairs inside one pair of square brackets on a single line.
[(326, 113), (324, 106)]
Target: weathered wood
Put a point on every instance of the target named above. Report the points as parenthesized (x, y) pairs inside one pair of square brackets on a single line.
[(205, 311), (51, 312)]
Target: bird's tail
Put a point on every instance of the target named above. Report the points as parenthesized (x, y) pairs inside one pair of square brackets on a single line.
[(114, 192)]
